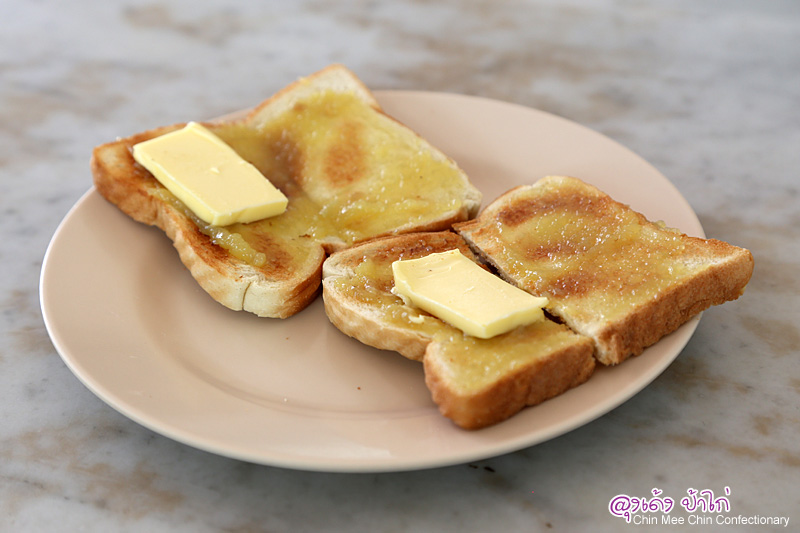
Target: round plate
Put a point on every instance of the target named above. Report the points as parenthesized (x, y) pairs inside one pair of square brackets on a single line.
[(135, 328)]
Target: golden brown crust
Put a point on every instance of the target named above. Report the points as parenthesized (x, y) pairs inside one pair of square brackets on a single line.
[(337, 77), (352, 320), (527, 386), (362, 319), (281, 286), (232, 282), (357, 285), (711, 271), (646, 325)]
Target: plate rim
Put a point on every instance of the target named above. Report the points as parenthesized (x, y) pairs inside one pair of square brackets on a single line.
[(314, 464)]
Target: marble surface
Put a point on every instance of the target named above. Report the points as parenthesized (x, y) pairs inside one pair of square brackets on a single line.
[(706, 91)]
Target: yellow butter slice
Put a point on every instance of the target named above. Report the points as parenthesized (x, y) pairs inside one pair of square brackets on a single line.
[(209, 177), (453, 288)]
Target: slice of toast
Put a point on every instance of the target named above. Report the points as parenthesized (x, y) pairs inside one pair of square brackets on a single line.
[(608, 272), (350, 172), (475, 382)]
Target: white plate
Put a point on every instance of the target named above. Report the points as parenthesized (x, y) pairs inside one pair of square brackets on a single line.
[(132, 325)]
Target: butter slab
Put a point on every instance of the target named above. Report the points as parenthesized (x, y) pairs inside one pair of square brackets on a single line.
[(209, 177), (453, 288)]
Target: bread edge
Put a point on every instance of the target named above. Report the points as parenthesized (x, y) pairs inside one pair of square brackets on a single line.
[(621, 339), (238, 285), (719, 283), (531, 385)]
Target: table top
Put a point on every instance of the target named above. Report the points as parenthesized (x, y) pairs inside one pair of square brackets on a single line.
[(706, 92)]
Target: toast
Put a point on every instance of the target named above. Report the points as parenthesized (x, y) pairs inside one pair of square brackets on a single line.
[(607, 271), (475, 382), (351, 173)]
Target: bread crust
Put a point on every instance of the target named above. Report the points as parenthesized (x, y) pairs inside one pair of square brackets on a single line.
[(647, 324), (234, 283), (372, 319), (364, 321), (719, 271), (280, 288), (527, 386), (356, 322)]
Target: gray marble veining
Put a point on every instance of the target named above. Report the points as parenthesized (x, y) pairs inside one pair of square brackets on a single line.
[(708, 92)]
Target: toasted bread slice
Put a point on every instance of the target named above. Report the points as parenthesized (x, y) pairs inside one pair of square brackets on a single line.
[(350, 172), (608, 272), (475, 382)]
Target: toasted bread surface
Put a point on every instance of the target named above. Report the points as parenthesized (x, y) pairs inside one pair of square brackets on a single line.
[(608, 272), (350, 172), (475, 382), (479, 382), (357, 284)]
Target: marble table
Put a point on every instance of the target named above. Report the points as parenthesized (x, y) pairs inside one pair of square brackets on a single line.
[(707, 92)]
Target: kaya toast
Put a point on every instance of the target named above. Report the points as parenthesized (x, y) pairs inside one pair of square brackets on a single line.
[(475, 382), (350, 172), (607, 271)]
